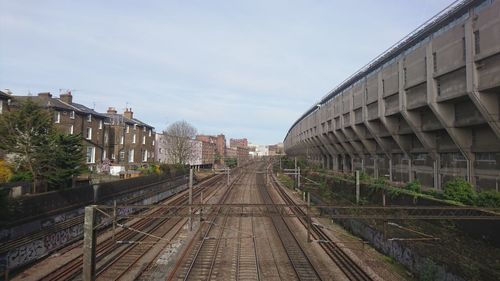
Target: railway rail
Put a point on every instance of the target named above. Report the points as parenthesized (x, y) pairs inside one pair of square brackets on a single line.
[(349, 267), (110, 256)]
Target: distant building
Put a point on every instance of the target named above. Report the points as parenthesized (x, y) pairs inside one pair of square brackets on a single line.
[(258, 150), (5, 99), (131, 141), (208, 153), (276, 149), (220, 145), (162, 151), (238, 142)]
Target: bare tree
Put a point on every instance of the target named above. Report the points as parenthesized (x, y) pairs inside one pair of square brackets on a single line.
[(179, 137)]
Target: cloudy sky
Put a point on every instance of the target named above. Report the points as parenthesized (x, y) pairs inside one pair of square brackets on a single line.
[(242, 68)]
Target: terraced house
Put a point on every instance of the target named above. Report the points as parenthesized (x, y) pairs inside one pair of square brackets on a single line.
[(427, 109), (131, 141), (75, 118)]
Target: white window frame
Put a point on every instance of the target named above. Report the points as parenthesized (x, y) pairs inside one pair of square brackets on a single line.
[(103, 155), (128, 129), (133, 138), (89, 118), (89, 133), (145, 156), (122, 139), (100, 124), (135, 127), (150, 132), (92, 155), (57, 117), (131, 155), (71, 129), (1, 107), (143, 139), (72, 114), (144, 129)]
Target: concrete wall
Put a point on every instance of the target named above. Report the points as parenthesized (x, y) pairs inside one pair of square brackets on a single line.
[(430, 112), (50, 233)]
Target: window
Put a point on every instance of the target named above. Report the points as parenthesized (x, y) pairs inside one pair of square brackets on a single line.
[(128, 129), (113, 156), (486, 156), (133, 138), (135, 127), (131, 155), (150, 131), (103, 155), (88, 133), (1, 106), (71, 129), (153, 142), (463, 48), (145, 156), (57, 117), (90, 154), (72, 115), (122, 139), (434, 62), (100, 124), (143, 139), (106, 136), (122, 155), (477, 48), (89, 118), (144, 129)]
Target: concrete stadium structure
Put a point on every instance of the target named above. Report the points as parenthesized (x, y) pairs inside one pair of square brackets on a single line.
[(426, 109)]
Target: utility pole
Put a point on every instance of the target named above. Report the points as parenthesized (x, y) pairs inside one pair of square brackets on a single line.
[(190, 199), (89, 244)]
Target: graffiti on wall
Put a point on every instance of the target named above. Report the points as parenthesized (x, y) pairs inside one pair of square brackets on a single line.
[(41, 247)]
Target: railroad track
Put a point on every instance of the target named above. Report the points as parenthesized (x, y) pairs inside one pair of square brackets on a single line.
[(108, 247), (301, 263), (350, 268), (200, 265)]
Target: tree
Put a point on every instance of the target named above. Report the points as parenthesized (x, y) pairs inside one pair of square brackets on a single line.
[(29, 136), (66, 161), (180, 147)]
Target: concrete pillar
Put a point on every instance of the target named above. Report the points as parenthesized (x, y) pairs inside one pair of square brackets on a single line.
[(89, 244)]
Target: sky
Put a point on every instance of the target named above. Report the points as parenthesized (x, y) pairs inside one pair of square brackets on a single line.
[(241, 68)]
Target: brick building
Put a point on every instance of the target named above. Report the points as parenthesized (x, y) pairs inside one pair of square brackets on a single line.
[(220, 145), (75, 118), (238, 142), (131, 141)]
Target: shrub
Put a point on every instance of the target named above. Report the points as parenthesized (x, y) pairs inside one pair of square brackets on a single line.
[(414, 186), (459, 190), (490, 199), (21, 176), (5, 172)]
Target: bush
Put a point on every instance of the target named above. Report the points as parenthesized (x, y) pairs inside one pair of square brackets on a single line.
[(5, 172), (21, 176), (489, 199), (459, 190), (414, 186)]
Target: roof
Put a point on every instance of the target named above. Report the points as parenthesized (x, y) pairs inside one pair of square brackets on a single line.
[(4, 95), (118, 118)]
